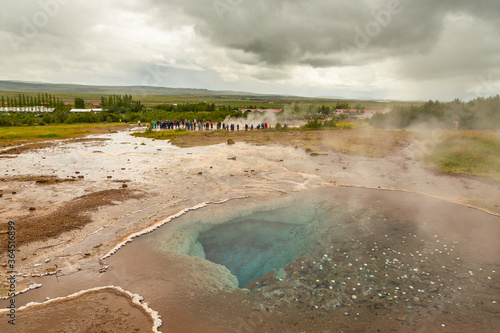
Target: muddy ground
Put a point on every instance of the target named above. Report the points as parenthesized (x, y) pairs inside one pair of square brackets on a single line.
[(73, 201)]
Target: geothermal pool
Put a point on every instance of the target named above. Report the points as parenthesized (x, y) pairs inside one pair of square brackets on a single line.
[(342, 256), (253, 247)]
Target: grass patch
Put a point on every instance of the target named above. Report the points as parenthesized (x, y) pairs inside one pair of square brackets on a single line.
[(467, 152), (48, 136), (12, 136)]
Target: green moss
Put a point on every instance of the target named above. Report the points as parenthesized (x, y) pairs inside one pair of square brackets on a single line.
[(473, 153)]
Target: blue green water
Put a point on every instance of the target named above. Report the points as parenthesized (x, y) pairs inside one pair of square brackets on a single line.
[(252, 248)]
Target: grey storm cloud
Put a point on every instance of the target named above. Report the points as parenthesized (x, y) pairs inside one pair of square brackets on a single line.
[(323, 33), (314, 45)]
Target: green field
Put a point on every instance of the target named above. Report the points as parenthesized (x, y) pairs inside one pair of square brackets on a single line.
[(11, 136), (151, 96), (467, 152)]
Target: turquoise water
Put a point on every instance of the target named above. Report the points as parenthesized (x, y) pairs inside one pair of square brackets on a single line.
[(252, 248)]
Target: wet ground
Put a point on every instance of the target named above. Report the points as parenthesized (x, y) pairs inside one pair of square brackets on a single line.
[(386, 260)]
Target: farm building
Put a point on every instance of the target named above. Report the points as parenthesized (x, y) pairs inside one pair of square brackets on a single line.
[(27, 109)]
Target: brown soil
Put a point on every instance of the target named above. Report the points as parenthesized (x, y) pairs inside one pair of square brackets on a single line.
[(72, 215), (41, 179), (374, 143), (26, 148), (94, 312), (38, 145)]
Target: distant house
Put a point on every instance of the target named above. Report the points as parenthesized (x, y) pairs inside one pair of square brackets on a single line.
[(26, 109), (262, 110), (86, 110)]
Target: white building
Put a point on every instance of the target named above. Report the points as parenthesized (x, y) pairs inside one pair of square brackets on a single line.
[(86, 110)]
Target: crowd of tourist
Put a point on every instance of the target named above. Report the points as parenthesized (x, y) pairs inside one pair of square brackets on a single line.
[(202, 125)]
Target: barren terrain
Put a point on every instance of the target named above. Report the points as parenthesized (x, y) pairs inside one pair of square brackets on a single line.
[(74, 201)]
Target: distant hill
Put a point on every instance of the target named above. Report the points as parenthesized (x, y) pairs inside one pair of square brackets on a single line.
[(114, 90)]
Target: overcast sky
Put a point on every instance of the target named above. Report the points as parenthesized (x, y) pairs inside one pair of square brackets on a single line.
[(380, 49)]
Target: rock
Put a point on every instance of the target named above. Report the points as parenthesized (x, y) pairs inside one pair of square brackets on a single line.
[(110, 177), (269, 277), (232, 158), (124, 185), (77, 172), (230, 142), (200, 173), (103, 269), (80, 176), (14, 192), (32, 208), (4, 264)]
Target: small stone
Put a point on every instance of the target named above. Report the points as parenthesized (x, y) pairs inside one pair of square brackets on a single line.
[(110, 177), (81, 177), (32, 208), (232, 158), (124, 185), (77, 172), (4, 264), (14, 192), (230, 142)]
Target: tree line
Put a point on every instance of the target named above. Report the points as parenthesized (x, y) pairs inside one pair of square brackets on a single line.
[(22, 100), (187, 107), (480, 113)]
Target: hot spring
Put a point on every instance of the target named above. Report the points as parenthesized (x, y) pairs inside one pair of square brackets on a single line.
[(252, 240), (336, 253)]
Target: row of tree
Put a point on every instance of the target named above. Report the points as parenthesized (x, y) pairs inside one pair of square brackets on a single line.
[(187, 107), (481, 113), (22, 100), (121, 104)]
